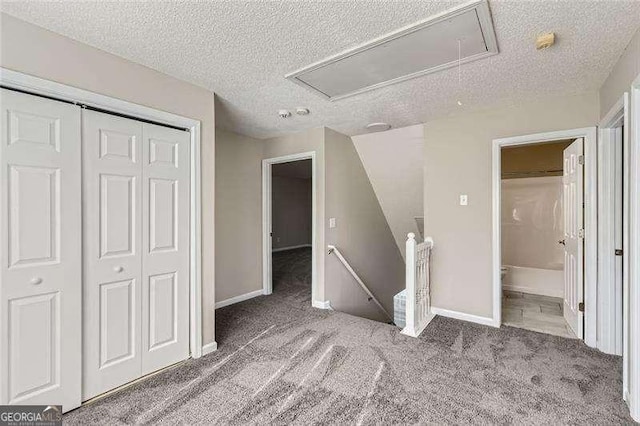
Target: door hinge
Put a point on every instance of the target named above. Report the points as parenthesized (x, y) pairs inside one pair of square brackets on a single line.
[(581, 159), (618, 252), (581, 306), (581, 233)]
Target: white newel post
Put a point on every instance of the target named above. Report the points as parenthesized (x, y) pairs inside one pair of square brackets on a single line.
[(418, 283), (410, 325)]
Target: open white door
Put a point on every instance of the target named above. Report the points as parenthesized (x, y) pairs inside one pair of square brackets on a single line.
[(40, 294), (573, 196)]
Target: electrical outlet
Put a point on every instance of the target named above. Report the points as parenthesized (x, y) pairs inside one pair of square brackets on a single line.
[(464, 200), (332, 222)]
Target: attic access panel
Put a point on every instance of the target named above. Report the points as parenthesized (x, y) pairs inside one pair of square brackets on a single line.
[(417, 50)]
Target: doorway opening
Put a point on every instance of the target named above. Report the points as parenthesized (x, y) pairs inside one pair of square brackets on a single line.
[(541, 280), (578, 224), (291, 205), (289, 227)]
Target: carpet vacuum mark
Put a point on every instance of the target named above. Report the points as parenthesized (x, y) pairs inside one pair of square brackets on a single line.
[(280, 361)]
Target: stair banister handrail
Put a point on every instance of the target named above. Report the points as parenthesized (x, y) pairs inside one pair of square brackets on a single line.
[(334, 249)]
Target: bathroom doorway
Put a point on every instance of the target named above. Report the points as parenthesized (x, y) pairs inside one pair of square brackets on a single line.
[(534, 239), (545, 233)]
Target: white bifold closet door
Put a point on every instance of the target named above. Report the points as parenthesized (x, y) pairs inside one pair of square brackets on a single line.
[(136, 239), (40, 275)]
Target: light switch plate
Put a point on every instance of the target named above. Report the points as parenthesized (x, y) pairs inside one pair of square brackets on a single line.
[(332, 222), (464, 200)]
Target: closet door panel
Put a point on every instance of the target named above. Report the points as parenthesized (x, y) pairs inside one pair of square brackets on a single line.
[(40, 271), (165, 295), (113, 256)]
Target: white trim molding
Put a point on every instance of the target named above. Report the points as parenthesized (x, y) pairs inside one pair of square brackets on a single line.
[(267, 283), (463, 316), (322, 304), (291, 248), (39, 86), (634, 254), (613, 127), (239, 298), (590, 219), (209, 347)]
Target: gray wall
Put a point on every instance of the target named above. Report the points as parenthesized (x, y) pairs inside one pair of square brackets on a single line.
[(33, 50), (622, 75), (344, 192), (394, 163), (291, 212), (239, 205), (457, 161), (361, 234), (238, 215)]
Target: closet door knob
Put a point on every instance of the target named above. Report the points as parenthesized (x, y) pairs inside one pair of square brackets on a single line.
[(118, 269), (36, 281), (561, 242)]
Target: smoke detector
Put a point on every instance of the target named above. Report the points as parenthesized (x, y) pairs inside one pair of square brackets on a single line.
[(283, 113), (378, 127), (545, 41), (302, 111)]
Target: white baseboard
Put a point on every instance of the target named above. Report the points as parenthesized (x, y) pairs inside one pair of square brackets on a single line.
[(464, 317), (240, 298), (209, 347), (533, 290), (322, 305), (290, 248)]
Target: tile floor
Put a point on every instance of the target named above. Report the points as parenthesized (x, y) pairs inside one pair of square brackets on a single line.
[(536, 313)]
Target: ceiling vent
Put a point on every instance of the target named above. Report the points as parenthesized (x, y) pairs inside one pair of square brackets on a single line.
[(413, 51)]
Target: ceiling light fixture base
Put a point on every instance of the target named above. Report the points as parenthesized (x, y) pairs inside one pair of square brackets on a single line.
[(378, 127)]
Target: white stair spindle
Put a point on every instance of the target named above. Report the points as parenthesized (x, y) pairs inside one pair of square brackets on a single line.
[(418, 301)]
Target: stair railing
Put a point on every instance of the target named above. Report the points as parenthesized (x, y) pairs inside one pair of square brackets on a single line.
[(334, 249), (418, 300)]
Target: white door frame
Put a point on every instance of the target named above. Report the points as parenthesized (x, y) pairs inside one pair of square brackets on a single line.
[(590, 217), (39, 86), (267, 282), (633, 396), (610, 297)]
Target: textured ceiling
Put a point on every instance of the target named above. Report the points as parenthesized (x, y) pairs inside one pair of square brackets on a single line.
[(241, 50)]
